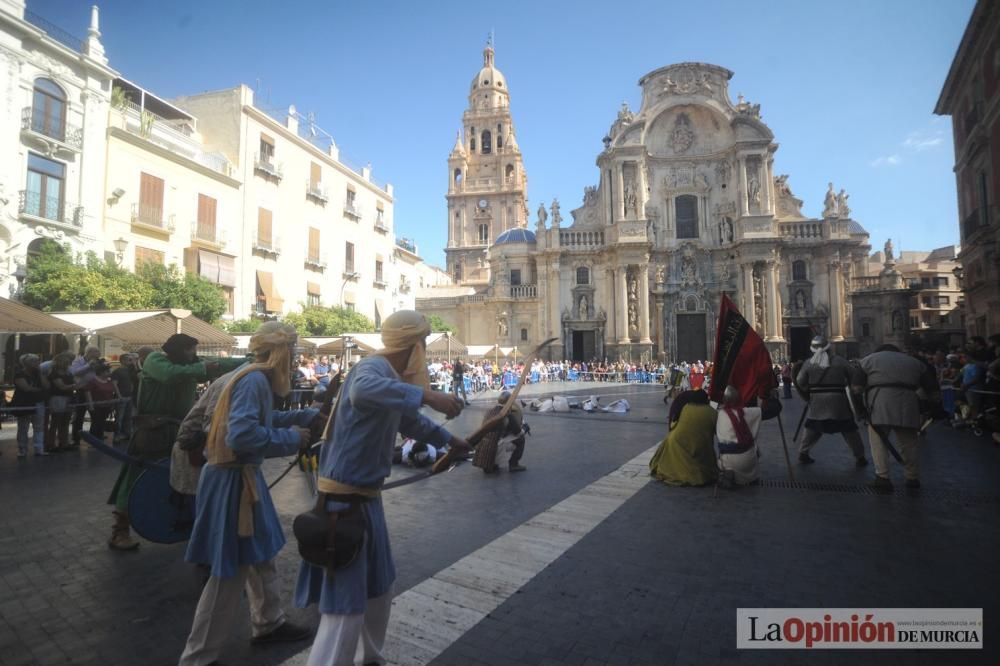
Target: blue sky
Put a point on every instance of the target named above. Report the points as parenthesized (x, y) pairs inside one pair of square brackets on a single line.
[(847, 87)]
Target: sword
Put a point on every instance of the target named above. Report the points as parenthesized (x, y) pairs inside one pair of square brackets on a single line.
[(802, 419), (850, 402)]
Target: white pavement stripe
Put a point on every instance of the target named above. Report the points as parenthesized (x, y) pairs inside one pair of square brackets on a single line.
[(429, 617)]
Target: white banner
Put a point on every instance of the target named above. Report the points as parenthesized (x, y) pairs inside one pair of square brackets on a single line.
[(859, 628)]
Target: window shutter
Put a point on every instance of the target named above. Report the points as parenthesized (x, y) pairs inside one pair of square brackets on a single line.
[(313, 244), (264, 226), (315, 174), (269, 140), (312, 288), (150, 193), (206, 214)]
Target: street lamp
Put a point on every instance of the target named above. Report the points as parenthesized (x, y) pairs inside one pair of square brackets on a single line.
[(120, 245), (353, 275), (19, 275)]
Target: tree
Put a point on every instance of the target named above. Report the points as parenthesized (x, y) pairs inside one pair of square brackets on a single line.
[(321, 321), (241, 325), (439, 325), (173, 288), (56, 281)]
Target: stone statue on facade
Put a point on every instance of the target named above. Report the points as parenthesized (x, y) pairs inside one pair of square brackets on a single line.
[(800, 300), (843, 210), (753, 186), (830, 203), (888, 250), (556, 217), (682, 137), (661, 275), (542, 215), (631, 200), (584, 311), (502, 325)]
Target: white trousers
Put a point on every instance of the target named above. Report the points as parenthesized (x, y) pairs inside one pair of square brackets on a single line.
[(219, 603), (349, 640)]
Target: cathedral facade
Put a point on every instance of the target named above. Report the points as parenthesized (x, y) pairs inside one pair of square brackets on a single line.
[(686, 208)]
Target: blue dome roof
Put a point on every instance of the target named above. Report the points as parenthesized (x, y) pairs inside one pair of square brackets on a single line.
[(517, 235)]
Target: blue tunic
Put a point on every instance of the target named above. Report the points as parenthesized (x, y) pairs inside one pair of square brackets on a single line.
[(374, 405), (254, 432)]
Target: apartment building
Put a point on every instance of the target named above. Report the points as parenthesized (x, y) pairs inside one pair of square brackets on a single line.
[(314, 229), (52, 136)]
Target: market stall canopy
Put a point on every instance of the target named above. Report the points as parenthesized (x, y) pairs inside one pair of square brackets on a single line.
[(136, 328), (479, 351), (438, 345), (19, 318), (366, 344)]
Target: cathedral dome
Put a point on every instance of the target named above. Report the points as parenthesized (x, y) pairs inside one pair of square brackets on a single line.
[(517, 235), (489, 77)]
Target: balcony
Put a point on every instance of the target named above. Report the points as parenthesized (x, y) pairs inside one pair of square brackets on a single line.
[(802, 231), (317, 193), (174, 134), (407, 244), (316, 262), (350, 273), (265, 166), (971, 119), (973, 223), (381, 226), (524, 291), (352, 209), (379, 284), (152, 218), (581, 240), (51, 131), (404, 284), (208, 235), (267, 246), (34, 208)]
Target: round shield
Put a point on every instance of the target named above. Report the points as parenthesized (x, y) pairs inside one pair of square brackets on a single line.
[(156, 511)]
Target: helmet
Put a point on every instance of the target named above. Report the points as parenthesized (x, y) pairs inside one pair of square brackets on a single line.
[(819, 343), (504, 397)]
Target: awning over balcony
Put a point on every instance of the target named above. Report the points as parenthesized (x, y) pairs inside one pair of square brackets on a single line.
[(274, 301), (217, 268)]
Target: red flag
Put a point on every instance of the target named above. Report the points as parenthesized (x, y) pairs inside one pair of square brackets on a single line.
[(741, 359)]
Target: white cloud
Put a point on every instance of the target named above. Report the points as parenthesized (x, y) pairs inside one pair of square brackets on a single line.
[(921, 141), (890, 160)]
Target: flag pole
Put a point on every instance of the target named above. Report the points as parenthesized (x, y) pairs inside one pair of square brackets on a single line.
[(784, 445)]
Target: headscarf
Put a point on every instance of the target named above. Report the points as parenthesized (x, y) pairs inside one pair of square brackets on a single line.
[(820, 348), (406, 330), (683, 399)]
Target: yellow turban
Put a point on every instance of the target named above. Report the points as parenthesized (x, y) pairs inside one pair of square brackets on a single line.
[(407, 330)]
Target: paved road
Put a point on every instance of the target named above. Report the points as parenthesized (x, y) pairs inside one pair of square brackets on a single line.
[(654, 582)]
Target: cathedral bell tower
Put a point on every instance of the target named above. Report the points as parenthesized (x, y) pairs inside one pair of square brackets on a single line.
[(487, 185)]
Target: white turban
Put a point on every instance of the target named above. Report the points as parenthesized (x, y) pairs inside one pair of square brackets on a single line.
[(407, 330), (821, 357)]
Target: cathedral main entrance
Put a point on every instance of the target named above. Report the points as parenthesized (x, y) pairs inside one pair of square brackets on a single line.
[(799, 339), (691, 344), (584, 348)]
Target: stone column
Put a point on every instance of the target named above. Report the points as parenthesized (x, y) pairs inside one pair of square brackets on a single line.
[(641, 194), (744, 192), (621, 304), (836, 303), (620, 195), (644, 305), (661, 342), (773, 306), (750, 313), (768, 186)]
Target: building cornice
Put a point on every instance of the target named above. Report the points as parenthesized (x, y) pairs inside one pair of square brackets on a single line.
[(977, 32), (287, 134), (185, 162), (14, 25)]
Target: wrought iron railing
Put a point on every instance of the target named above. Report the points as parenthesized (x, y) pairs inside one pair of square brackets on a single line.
[(266, 165), (152, 216), (55, 32), (352, 208), (270, 245), (52, 127), (316, 260), (54, 209), (208, 233), (407, 244)]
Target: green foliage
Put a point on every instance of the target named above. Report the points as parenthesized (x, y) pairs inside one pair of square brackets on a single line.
[(321, 321), (439, 325), (118, 98), (56, 282), (173, 288), (240, 325)]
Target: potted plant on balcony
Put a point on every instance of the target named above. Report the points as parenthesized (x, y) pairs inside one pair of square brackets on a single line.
[(118, 102)]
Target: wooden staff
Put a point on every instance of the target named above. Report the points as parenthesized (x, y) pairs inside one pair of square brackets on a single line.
[(445, 461)]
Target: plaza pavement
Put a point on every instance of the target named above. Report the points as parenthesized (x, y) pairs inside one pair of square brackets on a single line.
[(580, 560)]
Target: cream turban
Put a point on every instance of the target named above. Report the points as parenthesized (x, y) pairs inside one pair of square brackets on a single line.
[(407, 330)]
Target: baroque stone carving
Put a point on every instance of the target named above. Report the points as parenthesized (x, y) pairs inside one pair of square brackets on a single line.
[(584, 310), (830, 203), (631, 200), (723, 171), (556, 217), (758, 298), (888, 250), (682, 138), (589, 195), (542, 215), (787, 203), (746, 109), (843, 210), (687, 81)]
